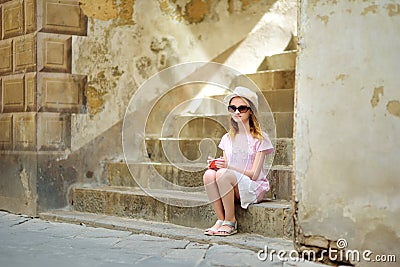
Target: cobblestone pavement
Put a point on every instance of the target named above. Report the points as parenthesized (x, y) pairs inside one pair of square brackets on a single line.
[(26, 241)]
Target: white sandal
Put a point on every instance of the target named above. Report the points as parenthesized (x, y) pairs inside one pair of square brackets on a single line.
[(231, 231), (213, 230)]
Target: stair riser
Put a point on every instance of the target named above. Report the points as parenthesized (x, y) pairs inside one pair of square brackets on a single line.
[(266, 222), (190, 150), (273, 80), (217, 126), (280, 100), (284, 124), (283, 61), (195, 127), (274, 222), (148, 176), (119, 175), (281, 185)]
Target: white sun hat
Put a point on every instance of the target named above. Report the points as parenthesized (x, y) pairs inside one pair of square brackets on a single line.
[(244, 92)]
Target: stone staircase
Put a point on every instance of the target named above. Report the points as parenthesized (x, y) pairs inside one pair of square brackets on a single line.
[(148, 198)]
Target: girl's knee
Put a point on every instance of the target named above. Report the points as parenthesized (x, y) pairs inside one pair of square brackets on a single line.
[(220, 173), (223, 176), (209, 176)]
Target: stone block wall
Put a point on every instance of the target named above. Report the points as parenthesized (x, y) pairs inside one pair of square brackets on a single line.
[(38, 91)]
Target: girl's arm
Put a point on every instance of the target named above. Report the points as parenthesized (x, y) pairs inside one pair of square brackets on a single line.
[(257, 165), (254, 172)]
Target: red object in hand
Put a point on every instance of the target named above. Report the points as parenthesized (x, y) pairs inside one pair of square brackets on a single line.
[(212, 164)]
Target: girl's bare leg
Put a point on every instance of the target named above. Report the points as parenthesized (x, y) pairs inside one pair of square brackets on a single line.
[(226, 182), (209, 179)]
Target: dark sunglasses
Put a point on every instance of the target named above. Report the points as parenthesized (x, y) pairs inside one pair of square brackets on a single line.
[(242, 109)]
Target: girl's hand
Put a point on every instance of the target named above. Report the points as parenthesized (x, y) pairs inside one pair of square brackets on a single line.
[(220, 163)]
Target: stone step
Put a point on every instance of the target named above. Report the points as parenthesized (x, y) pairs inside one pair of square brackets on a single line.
[(293, 43), (282, 61), (173, 149), (280, 100), (270, 218), (268, 79), (161, 176), (284, 124), (211, 103), (280, 179), (215, 126), (252, 242)]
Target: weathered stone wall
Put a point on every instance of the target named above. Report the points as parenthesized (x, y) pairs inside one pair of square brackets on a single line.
[(348, 124), (39, 93), (127, 43)]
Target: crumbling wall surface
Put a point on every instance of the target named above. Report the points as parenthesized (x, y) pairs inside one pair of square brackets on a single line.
[(17, 184), (129, 41), (348, 124)]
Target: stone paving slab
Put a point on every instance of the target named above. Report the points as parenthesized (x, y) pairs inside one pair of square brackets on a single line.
[(27, 241), (241, 240)]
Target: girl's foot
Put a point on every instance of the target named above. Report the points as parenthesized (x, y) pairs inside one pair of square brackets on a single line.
[(214, 229), (227, 228)]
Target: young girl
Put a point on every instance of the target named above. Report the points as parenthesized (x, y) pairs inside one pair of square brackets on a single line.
[(239, 174)]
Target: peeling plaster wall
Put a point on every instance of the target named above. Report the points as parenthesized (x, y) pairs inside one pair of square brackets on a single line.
[(18, 189), (128, 41), (347, 133)]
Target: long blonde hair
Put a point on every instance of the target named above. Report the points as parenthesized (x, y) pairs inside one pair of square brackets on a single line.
[(255, 127)]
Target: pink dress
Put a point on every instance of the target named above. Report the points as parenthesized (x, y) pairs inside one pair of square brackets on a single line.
[(241, 152)]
